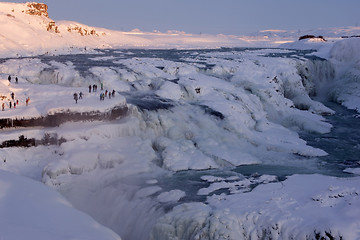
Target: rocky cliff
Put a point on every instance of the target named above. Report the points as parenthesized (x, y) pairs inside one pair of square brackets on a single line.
[(38, 9)]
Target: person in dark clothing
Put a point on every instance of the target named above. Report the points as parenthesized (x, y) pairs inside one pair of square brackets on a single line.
[(80, 95), (113, 93), (16, 80), (75, 97), (9, 78), (10, 105), (12, 95), (89, 88)]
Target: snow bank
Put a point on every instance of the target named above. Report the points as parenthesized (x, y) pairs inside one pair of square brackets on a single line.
[(50, 99), (303, 206), (346, 50), (342, 85), (346, 87), (30, 210)]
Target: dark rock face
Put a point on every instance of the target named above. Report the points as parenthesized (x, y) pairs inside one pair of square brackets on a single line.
[(48, 139), (22, 142), (37, 9), (56, 119), (312, 36)]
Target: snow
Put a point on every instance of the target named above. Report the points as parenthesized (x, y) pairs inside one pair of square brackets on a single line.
[(172, 196), (353, 170), (346, 83), (76, 37), (301, 207), (50, 99), (190, 113), (18, 29), (31, 210), (254, 109)]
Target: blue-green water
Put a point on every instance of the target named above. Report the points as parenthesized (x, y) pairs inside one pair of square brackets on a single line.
[(342, 144)]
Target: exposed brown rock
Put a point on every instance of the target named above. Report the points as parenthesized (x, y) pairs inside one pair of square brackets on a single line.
[(83, 31), (37, 9), (52, 27)]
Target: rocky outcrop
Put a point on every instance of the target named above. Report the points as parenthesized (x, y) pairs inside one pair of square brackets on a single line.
[(37, 9), (84, 31), (41, 9), (52, 27), (321, 38)]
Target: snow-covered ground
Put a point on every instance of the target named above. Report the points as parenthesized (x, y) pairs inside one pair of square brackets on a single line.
[(171, 168), (51, 99), (30, 210)]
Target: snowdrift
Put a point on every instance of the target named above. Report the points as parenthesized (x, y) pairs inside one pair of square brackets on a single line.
[(30, 210)]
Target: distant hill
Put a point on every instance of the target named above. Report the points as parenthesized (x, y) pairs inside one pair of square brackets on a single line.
[(27, 29)]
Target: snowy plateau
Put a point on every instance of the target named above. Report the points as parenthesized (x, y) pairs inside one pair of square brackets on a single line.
[(197, 137)]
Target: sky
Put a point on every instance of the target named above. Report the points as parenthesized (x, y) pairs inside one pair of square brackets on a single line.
[(230, 17)]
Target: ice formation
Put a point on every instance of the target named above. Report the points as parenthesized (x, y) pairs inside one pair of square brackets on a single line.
[(190, 159)]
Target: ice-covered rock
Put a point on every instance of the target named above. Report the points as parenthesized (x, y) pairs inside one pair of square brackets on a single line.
[(301, 207)]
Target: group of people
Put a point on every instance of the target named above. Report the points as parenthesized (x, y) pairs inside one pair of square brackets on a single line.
[(16, 79), (13, 103), (107, 94), (93, 88)]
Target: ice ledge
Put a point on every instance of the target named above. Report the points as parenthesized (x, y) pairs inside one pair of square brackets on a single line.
[(52, 105)]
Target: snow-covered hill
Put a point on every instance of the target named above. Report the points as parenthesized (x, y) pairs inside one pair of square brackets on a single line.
[(26, 29)]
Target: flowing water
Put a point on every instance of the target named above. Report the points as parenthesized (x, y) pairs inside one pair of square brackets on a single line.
[(342, 144)]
